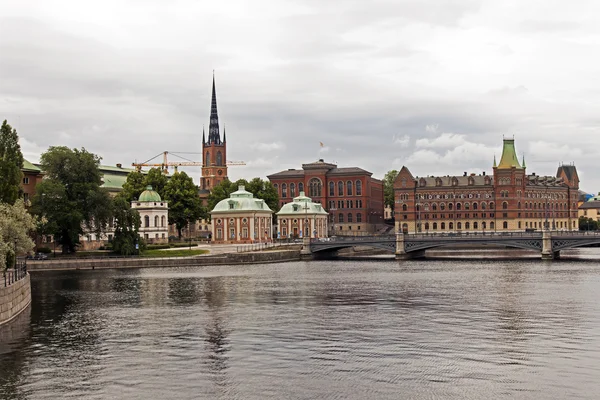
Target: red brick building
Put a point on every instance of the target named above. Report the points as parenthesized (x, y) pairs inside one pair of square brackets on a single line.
[(351, 196), (508, 200)]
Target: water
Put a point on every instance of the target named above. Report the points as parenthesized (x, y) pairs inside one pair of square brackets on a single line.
[(463, 329)]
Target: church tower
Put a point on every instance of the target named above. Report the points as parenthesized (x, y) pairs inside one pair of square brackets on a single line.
[(214, 151)]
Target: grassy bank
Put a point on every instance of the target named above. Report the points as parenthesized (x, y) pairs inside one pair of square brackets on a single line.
[(173, 253)]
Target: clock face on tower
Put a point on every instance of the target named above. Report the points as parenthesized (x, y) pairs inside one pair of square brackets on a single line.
[(220, 172)]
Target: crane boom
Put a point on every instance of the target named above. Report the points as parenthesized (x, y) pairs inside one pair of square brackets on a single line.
[(166, 164)]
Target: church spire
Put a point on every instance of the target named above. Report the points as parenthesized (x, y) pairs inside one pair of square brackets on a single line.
[(523, 161), (213, 128), (224, 136), (203, 136)]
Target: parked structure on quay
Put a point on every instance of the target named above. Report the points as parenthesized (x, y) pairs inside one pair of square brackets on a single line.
[(508, 200), (302, 218), (241, 219), (351, 196)]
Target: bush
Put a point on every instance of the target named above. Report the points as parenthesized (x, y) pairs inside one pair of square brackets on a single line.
[(178, 245), (157, 246), (45, 250)]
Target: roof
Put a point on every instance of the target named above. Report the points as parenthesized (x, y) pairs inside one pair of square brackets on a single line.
[(149, 195), (590, 204), (29, 167), (291, 173), (509, 155), (448, 181), (114, 178), (302, 205), (569, 170), (536, 180), (241, 201)]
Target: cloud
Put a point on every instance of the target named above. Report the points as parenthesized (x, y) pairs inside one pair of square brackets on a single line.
[(443, 141), (402, 141), (273, 146)]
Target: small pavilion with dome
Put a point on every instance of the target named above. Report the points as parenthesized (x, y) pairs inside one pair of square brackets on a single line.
[(241, 219), (302, 218), (154, 214)]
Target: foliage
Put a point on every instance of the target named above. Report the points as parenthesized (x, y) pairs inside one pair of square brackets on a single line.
[(133, 186), (11, 162), (388, 189), (15, 225), (260, 189), (44, 250), (127, 225), (588, 224), (157, 179), (184, 204), (70, 196)]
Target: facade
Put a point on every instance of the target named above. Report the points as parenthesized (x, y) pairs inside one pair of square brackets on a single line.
[(32, 175), (590, 209), (351, 196), (241, 219), (154, 215), (508, 200), (300, 218)]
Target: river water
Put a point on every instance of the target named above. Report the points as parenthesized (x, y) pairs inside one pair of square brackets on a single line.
[(462, 329)]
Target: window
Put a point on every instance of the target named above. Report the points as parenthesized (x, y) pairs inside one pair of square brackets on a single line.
[(492, 225), (349, 190), (435, 226), (219, 158), (505, 225), (207, 161), (232, 233), (443, 225), (358, 188), (358, 217), (162, 221), (301, 187), (341, 217), (26, 181), (349, 217), (331, 189), (504, 205), (314, 187), (340, 188), (26, 197), (475, 225), (467, 225), (156, 220), (146, 221), (292, 190), (450, 225), (283, 190), (426, 226), (404, 207), (458, 225)]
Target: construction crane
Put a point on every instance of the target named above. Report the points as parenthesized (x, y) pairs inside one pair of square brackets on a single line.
[(166, 164)]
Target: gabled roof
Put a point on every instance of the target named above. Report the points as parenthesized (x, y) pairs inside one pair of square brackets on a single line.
[(29, 167)]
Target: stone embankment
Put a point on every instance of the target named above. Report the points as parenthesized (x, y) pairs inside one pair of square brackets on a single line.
[(14, 298), (141, 262)]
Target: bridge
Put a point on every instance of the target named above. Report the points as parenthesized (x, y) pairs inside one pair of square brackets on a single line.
[(407, 246)]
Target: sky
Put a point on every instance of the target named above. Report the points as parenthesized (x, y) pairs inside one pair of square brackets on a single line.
[(432, 85)]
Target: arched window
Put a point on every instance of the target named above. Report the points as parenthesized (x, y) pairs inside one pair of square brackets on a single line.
[(292, 190), (349, 188), (434, 207), (331, 189), (442, 206), (491, 205), (358, 217), (349, 217), (450, 225), (467, 225), (467, 206), (156, 220), (450, 206), (219, 158), (505, 225), (504, 205), (207, 159), (340, 188), (443, 225), (483, 225), (475, 225), (426, 226), (162, 221), (358, 188), (457, 206), (314, 187), (284, 190), (474, 206), (404, 207), (492, 225), (435, 226), (301, 187), (341, 217), (147, 221), (458, 225), (519, 205)]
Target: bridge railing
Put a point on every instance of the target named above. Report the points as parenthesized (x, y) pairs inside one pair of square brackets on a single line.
[(13, 275)]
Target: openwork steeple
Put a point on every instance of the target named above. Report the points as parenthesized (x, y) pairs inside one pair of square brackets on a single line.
[(213, 129)]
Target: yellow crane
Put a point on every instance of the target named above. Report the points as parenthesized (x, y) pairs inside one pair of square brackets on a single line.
[(166, 164)]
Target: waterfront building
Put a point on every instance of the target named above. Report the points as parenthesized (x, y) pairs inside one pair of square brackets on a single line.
[(351, 196), (32, 175), (590, 208), (241, 219), (300, 218), (154, 215), (508, 200)]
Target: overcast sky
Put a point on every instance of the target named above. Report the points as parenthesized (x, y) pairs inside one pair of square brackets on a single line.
[(433, 85)]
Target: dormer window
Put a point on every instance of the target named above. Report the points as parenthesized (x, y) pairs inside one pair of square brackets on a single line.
[(422, 182)]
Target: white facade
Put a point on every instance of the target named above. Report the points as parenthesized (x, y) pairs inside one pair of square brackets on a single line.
[(300, 218), (154, 215)]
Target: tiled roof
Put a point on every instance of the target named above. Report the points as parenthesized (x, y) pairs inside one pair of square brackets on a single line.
[(462, 181), (333, 171), (288, 173), (536, 180), (590, 204), (569, 170)]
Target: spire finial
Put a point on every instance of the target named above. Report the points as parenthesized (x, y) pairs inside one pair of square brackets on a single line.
[(523, 161), (213, 128), (224, 136), (494, 161)]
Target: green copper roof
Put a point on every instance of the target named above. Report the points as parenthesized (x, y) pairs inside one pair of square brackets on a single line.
[(27, 166), (302, 205), (241, 201), (149, 195), (509, 155)]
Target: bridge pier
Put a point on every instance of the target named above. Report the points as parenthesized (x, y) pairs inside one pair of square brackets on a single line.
[(547, 253), (305, 253), (401, 253)]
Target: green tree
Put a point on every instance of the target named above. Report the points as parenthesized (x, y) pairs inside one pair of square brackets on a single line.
[(134, 185), (127, 225), (11, 163), (15, 225), (587, 224), (157, 179), (220, 192), (388, 189), (70, 197), (184, 204)]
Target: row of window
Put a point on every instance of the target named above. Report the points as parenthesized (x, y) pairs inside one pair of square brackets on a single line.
[(349, 188), (219, 160), (347, 203), (451, 216), (349, 218), (458, 206), (156, 221)]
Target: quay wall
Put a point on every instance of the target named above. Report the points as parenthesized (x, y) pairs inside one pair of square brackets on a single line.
[(14, 299), (141, 262)]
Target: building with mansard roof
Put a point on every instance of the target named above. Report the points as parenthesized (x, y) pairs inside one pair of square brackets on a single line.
[(351, 196), (509, 199), (302, 218)]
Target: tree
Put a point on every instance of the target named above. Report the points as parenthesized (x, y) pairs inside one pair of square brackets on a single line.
[(587, 224), (388, 189), (127, 225), (134, 185), (70, 197), (260, 189), (15, 225), (184, 204), (157, 179), (11, 163)]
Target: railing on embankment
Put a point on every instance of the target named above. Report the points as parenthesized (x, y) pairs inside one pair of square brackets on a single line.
[(15, 292)]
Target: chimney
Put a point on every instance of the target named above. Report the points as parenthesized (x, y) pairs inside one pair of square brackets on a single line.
[(465, 173), (119, 165), (483, 173)]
